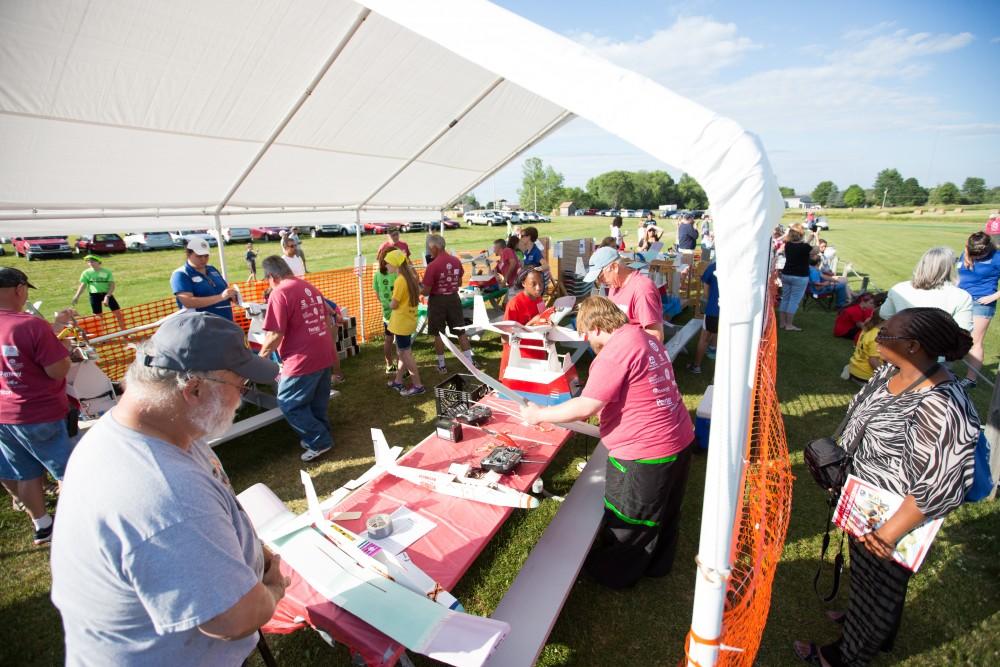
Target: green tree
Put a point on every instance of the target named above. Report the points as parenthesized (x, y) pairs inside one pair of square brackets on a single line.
[(823, 192), (580, 197), (653, 188), (888, 186), (854, 196), (913, 194), (616, 188), (992, 196), (540, 183), (786, 192), (974, 190), (470, 200), (691, 194), (946, 193)]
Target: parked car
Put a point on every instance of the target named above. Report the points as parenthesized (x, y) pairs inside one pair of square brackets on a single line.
[(383, 227), (627, 213), (266, 233), (184, 236), (100, 244), (591, 211), (529, 216), (544, 218), (435, 225), (36, 247), (334, 229), (150, 241), (232, 235), (490, 218)]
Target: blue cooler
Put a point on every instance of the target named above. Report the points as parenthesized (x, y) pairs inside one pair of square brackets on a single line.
[(703, 418)]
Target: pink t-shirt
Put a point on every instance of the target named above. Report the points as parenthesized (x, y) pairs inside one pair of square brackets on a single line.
[(297, 310), (993, 226), (27, 394), (444, 274), (508, 265), (643, 416), (639, 299)]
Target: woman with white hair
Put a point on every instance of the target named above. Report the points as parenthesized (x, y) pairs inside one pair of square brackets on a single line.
[(933, 285)]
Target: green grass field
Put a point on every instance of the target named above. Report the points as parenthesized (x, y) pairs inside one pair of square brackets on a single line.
[(953, 609)]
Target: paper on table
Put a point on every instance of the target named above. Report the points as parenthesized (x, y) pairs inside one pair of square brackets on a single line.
[(407, 527)]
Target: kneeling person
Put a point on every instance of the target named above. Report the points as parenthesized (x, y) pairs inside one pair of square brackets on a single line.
[(647, 431)]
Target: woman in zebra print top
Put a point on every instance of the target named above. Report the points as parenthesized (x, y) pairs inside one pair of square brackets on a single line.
[(921, 448)]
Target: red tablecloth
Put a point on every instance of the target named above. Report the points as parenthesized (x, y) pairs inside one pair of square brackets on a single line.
[(463, 528)]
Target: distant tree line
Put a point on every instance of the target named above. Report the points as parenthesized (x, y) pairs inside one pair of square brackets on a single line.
[(891, 187), (612, 189)]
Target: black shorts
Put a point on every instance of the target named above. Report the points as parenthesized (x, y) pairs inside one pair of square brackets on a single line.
[(97, 303), (712, 324), (444, 309)]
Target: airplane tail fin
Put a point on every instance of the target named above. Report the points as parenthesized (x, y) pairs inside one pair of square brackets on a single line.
[(480, 318), (383, 455), (315, 513)]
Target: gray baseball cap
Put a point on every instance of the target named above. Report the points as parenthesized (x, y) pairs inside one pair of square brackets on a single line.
[(601, 258), (194, 341)]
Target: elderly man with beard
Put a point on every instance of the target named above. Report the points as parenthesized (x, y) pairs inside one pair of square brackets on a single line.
[(153, 560)]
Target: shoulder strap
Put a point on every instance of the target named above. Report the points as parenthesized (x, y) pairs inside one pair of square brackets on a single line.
[(885, 406)]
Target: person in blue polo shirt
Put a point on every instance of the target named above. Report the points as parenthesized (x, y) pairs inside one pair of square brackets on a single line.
[(200, 286)]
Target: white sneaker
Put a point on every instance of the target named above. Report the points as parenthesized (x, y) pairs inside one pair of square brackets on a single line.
[(311, 454)]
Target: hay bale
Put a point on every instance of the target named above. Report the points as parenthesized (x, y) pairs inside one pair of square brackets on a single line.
[(958, 210), (918, 211)]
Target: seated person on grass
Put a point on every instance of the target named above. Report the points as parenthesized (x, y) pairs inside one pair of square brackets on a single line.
[(865, 358), (850, 320), (821, 284)]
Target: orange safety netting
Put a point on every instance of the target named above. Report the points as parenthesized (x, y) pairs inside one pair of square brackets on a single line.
[(763, 511), (338, 285)]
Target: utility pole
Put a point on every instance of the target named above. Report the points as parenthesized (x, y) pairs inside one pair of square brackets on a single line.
[(884, 195)]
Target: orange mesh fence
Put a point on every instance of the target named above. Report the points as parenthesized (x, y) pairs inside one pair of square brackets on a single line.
[(763, 511)]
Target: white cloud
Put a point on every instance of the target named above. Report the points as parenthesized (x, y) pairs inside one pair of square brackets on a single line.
[(868, 84), (689, 50)]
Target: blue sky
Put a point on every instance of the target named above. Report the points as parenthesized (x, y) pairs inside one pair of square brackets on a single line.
[(836, 91)]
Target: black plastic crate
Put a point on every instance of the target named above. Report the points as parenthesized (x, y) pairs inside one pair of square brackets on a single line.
[(457, 393)]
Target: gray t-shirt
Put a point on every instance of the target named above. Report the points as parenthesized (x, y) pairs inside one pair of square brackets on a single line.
[(150, 543)]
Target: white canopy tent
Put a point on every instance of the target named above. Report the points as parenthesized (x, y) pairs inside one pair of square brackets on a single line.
[(153, 113)]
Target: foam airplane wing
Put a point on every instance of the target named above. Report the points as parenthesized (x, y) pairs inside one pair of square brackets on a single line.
[(487, 489), (552, 331), (394, 596)]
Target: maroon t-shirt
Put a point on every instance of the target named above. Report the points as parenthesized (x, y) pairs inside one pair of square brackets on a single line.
[(27, 394), (444, 274), (639, 299), (296, 309)]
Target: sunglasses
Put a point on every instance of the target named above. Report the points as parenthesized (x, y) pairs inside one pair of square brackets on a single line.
[(879, 338), (244, 387)]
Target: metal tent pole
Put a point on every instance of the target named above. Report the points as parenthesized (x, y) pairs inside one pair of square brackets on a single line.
[(359, 269), (222, 246)]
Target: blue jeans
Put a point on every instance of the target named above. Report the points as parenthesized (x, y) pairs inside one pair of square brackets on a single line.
[(841, 291), (304, 400), (792, 289), (28, 450)]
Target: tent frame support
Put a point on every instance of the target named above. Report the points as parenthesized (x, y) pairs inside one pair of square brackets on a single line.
[(426, 147), (306, 94)]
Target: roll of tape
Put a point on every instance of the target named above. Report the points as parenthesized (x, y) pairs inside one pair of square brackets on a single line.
[(379, 526)]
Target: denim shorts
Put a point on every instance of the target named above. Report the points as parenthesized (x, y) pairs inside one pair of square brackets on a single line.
[(30, 449), (987, 311), (404, 342)]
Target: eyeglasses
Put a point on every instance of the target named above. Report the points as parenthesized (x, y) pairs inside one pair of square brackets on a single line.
[(244, 387), (879, 338)]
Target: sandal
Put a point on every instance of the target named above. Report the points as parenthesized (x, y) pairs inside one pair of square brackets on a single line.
[(337, 378), (792, 327), (807, 652)]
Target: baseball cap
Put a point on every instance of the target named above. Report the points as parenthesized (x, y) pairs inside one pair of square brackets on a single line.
[(11, 277), (395, 257), (198, 246), (600, 259), (193, 341), (92, 258)]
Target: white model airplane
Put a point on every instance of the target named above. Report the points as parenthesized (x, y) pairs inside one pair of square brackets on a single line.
[(547, 331), (456, 482), (388, 592)]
